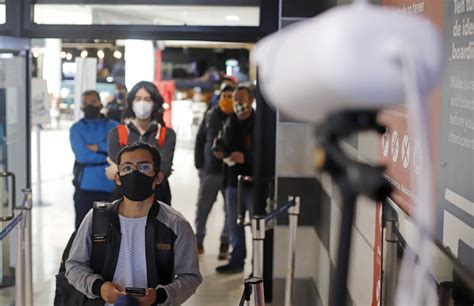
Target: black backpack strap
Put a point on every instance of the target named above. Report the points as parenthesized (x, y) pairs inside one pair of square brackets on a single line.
[(159, 240), (164, 256), (100, 235)]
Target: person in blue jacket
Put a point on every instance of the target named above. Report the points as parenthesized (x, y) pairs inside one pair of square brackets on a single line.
[(88, 139)]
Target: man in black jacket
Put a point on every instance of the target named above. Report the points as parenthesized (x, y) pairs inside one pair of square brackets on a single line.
[(116, 107), (210, 169), (235, 146)]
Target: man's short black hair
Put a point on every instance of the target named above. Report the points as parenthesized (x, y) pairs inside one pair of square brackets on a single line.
[(248, 89), (155, 154), (228, 88), (91, 93)]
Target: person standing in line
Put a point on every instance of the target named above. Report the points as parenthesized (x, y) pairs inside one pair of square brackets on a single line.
[(211, 171), (88, 139), (225, 81), (145, 108), (114, 109), (235, 146), (147, 244)]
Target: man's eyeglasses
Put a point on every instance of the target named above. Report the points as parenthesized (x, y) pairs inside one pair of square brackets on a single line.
[(127, 168)]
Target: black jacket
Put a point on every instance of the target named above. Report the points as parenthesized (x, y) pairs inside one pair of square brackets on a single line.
[(237, 136), (114, 111), (208, 130)]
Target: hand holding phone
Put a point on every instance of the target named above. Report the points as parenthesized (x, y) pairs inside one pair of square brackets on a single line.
[(133, 291)]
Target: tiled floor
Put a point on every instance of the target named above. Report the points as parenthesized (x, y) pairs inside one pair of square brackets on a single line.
[(53, 223)]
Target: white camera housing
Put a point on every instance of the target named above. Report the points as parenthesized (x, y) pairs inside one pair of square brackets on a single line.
[(346, 58)]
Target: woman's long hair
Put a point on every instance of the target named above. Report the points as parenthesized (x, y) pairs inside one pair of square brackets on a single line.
[(157, 113)]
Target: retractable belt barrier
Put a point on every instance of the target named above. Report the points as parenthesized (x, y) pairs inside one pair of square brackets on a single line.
[(4, 233), (253, 294), (279, 211)]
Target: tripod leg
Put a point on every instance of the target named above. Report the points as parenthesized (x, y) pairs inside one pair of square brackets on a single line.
[(339, 287)]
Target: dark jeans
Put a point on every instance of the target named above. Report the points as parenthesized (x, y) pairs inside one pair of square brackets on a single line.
[(237, 232), (84, 201), (126, 301), (209, 187)]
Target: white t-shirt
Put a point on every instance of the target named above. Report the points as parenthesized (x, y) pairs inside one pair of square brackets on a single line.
[(131, 264)]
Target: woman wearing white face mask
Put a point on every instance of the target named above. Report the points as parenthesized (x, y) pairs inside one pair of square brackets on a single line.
[(145, 108)]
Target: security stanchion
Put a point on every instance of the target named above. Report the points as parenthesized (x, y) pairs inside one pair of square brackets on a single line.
[(293, 213), (241, 208), (246, 294), (258, 234), (253, 294), (253, 290), (258, 296), (391, 263), (24, 273)]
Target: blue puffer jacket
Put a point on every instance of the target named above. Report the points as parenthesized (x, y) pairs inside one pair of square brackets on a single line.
[(83, 133)]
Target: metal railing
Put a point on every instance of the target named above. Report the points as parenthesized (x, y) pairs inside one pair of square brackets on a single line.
[(24, 273), (22, 221)]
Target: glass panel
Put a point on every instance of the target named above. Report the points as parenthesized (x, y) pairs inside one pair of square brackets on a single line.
[(147, 15), (13, 156)]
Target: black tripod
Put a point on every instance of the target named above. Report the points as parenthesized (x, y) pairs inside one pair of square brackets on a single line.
[(352, 177)]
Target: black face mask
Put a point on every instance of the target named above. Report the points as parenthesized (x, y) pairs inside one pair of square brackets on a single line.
[(91, 112), (137, 186), (120, 96)]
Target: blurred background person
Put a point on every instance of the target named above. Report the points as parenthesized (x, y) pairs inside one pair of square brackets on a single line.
[(210, 169), (226, 80), (114, 110), (235, 146)]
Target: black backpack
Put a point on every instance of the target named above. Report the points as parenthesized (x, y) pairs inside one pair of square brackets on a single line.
[(67, 295)]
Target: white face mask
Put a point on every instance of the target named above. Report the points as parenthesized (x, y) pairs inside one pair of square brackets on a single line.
[(142, 109)]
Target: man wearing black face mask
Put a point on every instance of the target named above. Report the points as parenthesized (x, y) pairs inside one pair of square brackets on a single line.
[(115, 108), (149, 245), (88, 139)]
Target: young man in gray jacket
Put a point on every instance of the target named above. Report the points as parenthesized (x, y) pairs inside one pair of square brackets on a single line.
[(136, 220)]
